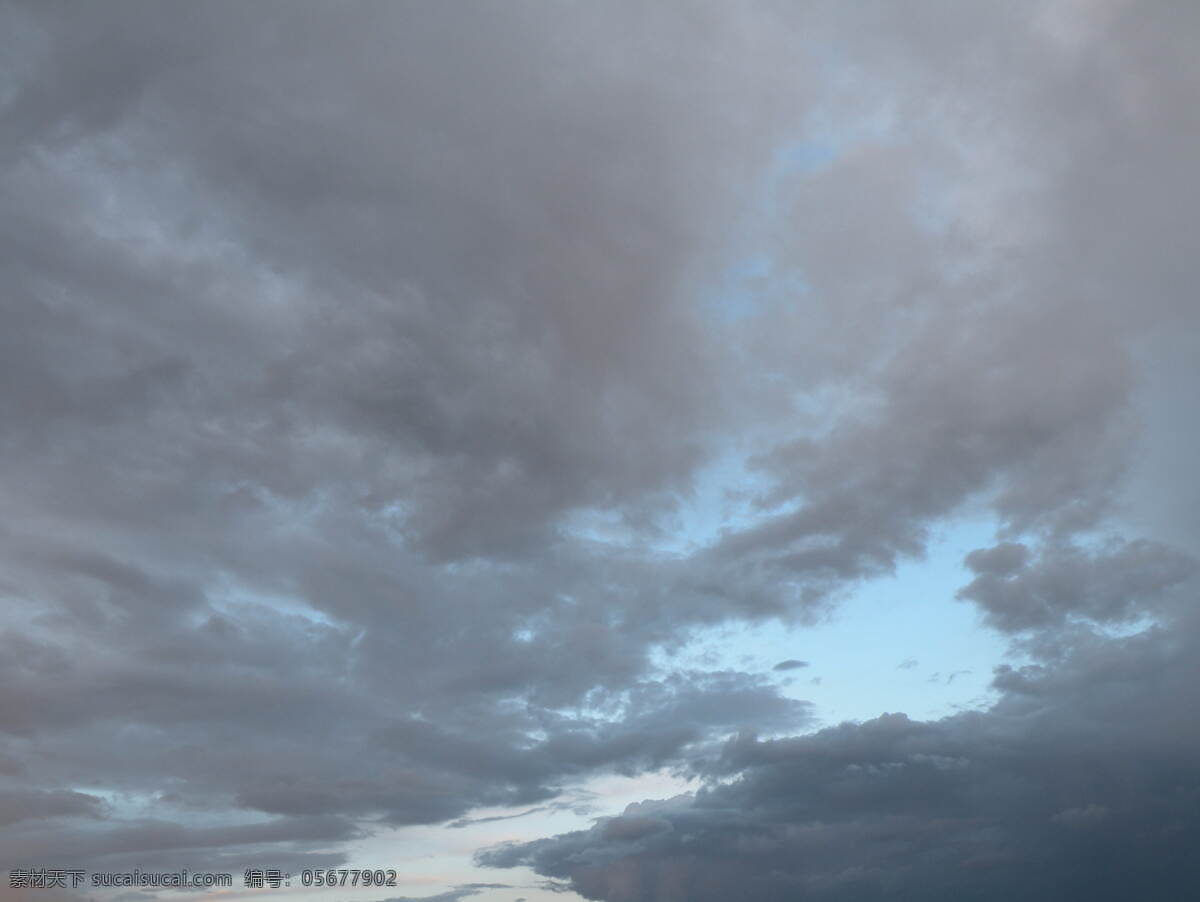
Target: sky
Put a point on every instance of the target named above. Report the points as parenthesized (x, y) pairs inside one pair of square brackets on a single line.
[(612, 451)]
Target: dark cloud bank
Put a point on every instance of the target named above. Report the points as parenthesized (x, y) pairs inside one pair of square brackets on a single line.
[(328, 334)]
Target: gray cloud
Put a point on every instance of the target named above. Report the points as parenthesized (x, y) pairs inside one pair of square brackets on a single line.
[(1118, 582), (295, 407), (459, 892), (790, 664), (18, 805), (329, 335), (1017, 799), (471, 821)]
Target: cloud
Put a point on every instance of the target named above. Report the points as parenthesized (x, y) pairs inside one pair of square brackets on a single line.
[(471, 821), (1118, 582), (327, 334), (1016, 799), (18, 805), (300, 408), (459, 892), (790, 664)]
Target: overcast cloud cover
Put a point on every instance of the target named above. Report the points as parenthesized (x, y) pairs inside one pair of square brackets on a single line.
[(362, 365)]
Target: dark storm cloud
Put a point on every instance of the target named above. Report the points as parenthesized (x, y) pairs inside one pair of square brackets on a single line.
[(1021, 801), (322, 327)]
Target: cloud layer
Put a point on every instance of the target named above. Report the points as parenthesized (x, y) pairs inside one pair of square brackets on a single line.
[(360, 367)]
